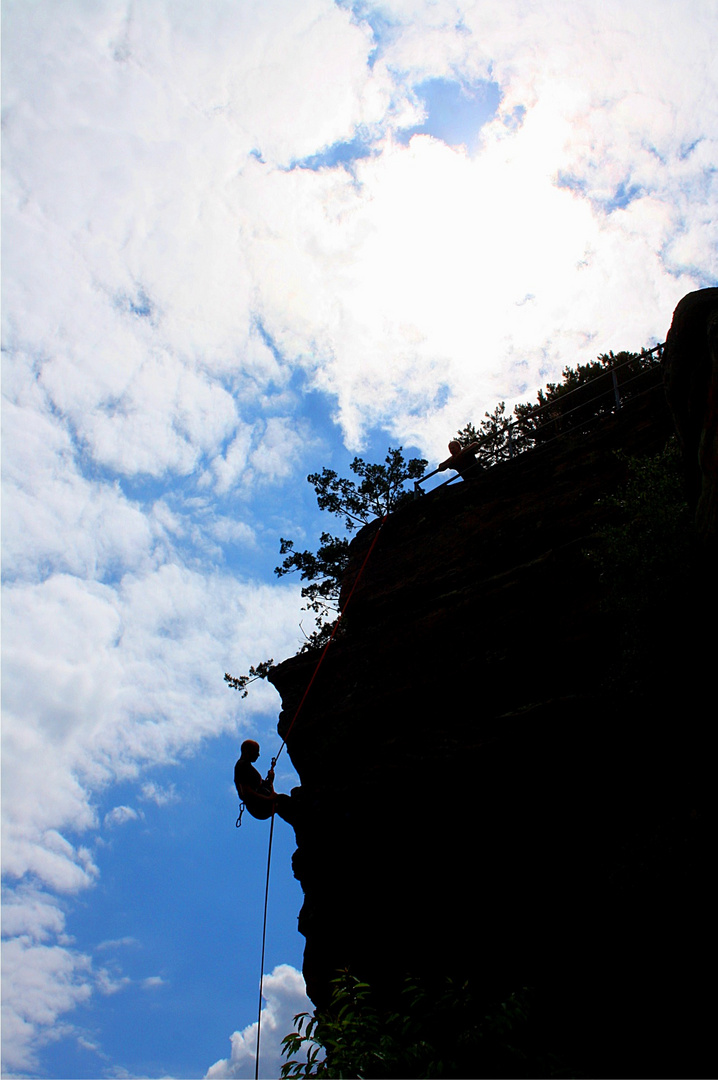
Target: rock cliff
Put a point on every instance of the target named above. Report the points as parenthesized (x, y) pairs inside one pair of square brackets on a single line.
[(505, 765)]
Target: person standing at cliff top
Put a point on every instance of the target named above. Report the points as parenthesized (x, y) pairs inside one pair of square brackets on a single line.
[(258, 795), (462, 460)]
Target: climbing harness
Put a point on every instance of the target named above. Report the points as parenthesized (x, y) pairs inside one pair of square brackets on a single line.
[(267, 800), (274, 762)]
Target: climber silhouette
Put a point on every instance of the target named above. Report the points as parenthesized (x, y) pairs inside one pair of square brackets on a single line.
[(258, 795), (462, 460)]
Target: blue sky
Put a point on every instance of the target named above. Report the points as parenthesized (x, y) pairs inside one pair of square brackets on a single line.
[(184, 968), (242, 241)]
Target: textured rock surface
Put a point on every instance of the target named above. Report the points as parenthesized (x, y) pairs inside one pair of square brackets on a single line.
[(691, 376), (503, 777)]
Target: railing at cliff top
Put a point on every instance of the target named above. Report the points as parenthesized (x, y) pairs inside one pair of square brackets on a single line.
[(516, 437)]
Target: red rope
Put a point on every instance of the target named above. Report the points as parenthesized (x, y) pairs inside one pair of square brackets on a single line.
[(331, 638), (274, 762)]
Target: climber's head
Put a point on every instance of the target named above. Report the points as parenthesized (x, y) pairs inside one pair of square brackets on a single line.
[(250, 749), (454, 447)]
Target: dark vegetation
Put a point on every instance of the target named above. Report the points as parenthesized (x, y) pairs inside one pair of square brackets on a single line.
[(380, 490), (573, 406), (649, 538), (648, 561), (570, 407), (438, 1031)]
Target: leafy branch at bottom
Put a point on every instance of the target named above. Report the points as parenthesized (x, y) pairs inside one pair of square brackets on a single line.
[(441, 1029)]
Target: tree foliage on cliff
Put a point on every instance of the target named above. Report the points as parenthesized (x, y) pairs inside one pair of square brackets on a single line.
[(648, 542), (586, 392), (446, 1030), (648, 563), (380, 489), (496, 436), (570, 406)]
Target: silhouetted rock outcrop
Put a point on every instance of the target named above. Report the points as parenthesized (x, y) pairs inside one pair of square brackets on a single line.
[(691, 378), (506, 775)]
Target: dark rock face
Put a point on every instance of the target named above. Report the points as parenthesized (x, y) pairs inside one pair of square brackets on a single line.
[(504, 778), (691, 377)]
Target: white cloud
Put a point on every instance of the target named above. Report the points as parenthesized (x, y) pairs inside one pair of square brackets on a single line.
[(404, 282), (54, 516), (377, 286), (134, 219), (31, 914), (279, 449), (116, 943), (427, 299), (285, 996), (40, 984), (160, 796), (108, 983), (266, 452), (120, 815)]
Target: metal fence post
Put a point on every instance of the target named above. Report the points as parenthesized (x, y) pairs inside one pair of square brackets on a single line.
[(616, 392)]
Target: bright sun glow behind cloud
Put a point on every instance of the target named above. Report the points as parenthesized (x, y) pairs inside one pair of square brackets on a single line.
[(228, 261)]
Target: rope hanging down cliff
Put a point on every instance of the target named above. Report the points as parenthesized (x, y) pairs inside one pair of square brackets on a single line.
[(264, 941), (258, 795), (274, 762)]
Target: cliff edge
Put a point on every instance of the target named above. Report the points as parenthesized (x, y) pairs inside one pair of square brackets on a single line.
[(505, 758)]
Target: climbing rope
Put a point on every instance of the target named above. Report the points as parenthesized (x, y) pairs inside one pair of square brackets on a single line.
[(264, 941), (274, 762)]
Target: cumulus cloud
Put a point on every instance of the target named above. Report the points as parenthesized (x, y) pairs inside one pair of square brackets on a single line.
[(284, 996), (109, 983), (158, 268), (40, 983), (31, 914), (405, 280), (159, 795), (117, 943), (54, 516), (98, 681), (120, 815)]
